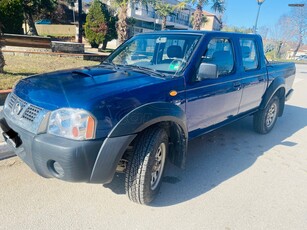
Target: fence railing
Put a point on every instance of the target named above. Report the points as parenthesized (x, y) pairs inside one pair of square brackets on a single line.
[(26, 41)]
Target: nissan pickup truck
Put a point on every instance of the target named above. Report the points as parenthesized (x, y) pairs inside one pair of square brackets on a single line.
[(142, 105)]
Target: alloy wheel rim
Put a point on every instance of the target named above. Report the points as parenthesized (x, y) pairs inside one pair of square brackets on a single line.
[(271, 116), (158, 166)]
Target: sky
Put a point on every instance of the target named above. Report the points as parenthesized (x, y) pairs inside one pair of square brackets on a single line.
[(242, 13)]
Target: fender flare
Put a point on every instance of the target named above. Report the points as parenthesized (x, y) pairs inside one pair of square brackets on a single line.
[(121, 136), (144, 116), (277, 84)]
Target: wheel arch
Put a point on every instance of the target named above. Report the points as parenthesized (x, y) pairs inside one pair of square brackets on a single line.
[(277, 87), (167, 115)]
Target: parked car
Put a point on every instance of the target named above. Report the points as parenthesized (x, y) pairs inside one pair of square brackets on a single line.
[(43, 21), (301, 58), (142, 105)]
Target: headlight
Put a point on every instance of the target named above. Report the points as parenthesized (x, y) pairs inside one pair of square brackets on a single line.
[(75, 124)]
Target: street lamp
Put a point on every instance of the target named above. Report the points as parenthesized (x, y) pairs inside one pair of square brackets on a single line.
[(259, 5)]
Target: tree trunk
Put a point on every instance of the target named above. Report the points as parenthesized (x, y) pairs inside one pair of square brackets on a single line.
[(279, 45), (32, 28), (2, 62), (298, 46), (198, 15), (163, 23), (122, 25), (104, 44)]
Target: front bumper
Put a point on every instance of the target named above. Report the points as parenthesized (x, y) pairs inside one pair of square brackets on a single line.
[(52, 156)]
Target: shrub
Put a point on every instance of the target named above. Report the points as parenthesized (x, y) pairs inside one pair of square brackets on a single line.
[(95, 26), (11, 16)]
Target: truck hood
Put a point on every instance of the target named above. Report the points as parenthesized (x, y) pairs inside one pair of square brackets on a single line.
[(79, 88)]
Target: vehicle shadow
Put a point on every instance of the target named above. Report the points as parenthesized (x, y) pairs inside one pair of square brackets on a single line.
[(218, 156)]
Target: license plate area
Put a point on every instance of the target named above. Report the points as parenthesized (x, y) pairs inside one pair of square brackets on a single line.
[(12, 138)]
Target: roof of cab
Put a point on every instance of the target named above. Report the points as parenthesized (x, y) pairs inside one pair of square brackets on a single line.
[(200, 32)]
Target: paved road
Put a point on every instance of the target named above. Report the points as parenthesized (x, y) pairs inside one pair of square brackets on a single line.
[(234, 179)]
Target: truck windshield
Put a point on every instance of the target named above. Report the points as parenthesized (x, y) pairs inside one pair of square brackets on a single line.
[(167, 53)]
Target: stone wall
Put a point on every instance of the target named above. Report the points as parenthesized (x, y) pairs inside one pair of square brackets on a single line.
[(67, 47)]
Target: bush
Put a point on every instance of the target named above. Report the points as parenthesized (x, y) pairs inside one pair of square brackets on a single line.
[(95, 26), (11, 16)]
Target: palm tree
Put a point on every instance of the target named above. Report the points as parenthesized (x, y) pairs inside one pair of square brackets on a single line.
[(163, 10), (122, 8), (218, 6), (2, 62), (198, 14)]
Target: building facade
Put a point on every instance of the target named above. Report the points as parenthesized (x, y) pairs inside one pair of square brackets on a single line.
[(145, 19), (213, 22)]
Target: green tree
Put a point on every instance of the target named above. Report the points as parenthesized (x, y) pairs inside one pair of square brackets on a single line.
[(96, 26), (217, 5), (35, 8), (11, 16), (198, 14), (122, 8), (111, 23), (163, 9), (238, 29)]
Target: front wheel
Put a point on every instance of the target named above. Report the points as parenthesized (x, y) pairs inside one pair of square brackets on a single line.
[(146, 166), (264, 120)]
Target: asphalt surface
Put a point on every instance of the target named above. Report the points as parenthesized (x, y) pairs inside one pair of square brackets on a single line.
[(234, 179)]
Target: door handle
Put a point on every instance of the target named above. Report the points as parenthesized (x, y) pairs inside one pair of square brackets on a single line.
[(261, 78), (237, 85)]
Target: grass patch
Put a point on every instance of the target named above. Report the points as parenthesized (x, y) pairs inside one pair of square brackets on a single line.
[(18, 67)]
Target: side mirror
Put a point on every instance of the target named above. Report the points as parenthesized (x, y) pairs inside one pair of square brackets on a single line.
[(207, 71)]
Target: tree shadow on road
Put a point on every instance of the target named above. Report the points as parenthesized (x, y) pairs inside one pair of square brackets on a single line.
[(218, 156)]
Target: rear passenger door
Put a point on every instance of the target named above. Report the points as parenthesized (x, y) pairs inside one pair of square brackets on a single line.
[(253, 74), (211, 101)]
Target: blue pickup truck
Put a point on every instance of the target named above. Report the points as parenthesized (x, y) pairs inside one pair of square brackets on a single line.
[(142, 105)]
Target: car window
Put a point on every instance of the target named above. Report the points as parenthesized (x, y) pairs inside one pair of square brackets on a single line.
[(249, 54), (167, 53), (220, 52)]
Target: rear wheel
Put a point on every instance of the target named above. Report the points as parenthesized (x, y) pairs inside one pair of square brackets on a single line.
[(146, 166), (264, 120)]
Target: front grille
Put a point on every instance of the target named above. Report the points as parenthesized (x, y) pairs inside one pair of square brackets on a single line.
[(12, 101), (24, 114), (31, 113)]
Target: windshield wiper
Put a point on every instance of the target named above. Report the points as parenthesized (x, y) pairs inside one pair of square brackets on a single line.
[(109, 63), (146, 70)]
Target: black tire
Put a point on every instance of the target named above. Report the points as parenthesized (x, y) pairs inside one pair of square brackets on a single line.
[(140, 184), (265, 119)]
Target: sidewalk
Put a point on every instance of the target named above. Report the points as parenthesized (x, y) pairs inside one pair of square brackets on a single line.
[(5, 150)]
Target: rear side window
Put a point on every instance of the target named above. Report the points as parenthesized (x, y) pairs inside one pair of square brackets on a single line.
[(249, 54), (220, 53)]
